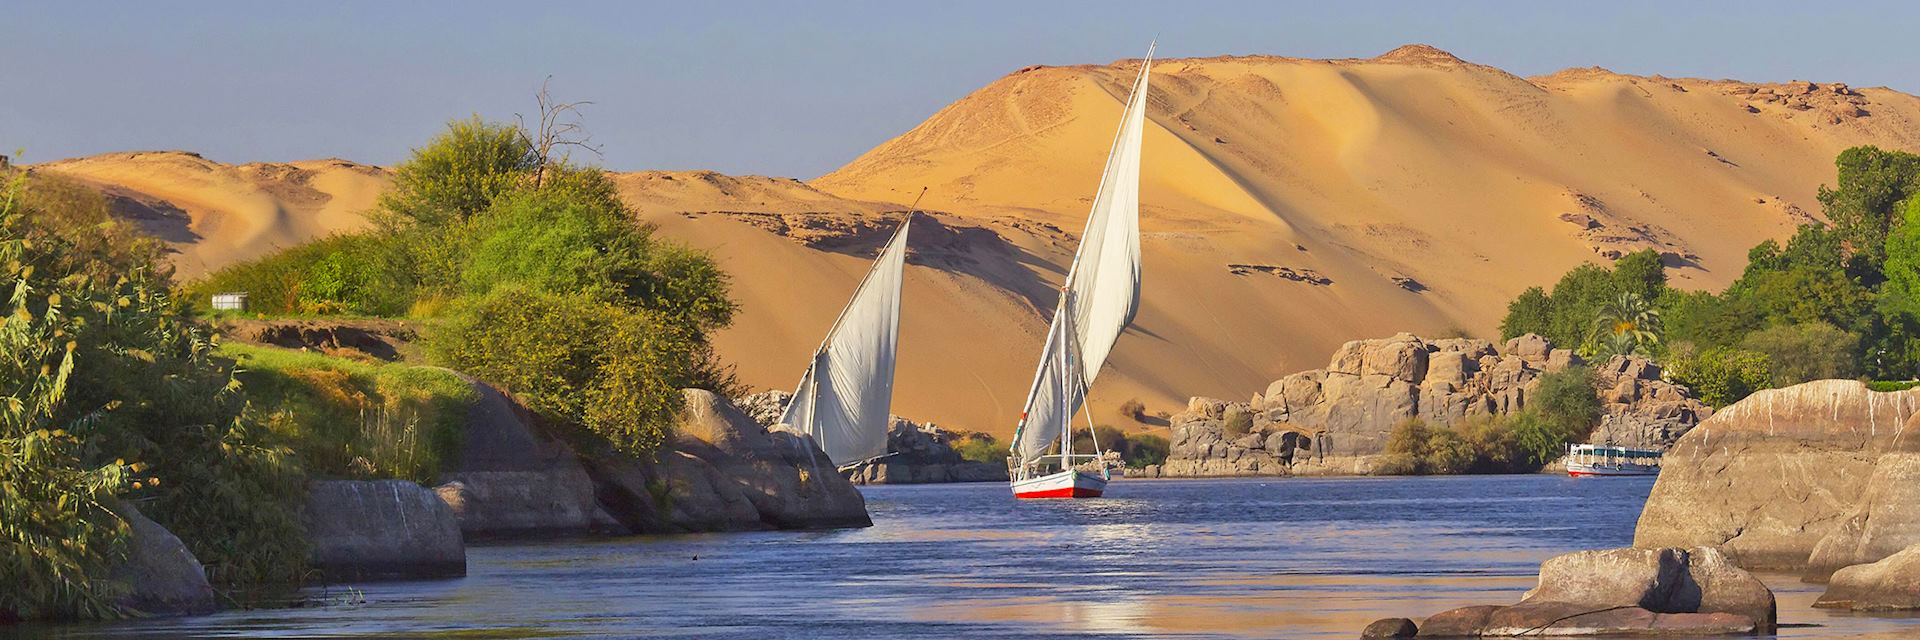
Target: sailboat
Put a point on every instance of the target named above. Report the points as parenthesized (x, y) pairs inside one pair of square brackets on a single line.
[(844, 399), (1097, 301)]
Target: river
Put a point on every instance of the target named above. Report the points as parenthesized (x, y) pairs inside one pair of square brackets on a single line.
[(1242, 558)]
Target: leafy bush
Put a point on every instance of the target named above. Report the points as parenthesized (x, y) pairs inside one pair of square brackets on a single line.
[(108, 369), (1720, 376), (1542, 439), (355, 419), (353, 274), (1145, 449), (1517, 443), (1237, 422), (1566, 398), (1885, 386), (980, 447), (1133, 409), (616, 371)]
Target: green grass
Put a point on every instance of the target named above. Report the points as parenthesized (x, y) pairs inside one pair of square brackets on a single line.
[(357, 419)]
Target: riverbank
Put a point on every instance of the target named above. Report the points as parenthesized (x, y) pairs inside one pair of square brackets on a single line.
[(1253, 558)]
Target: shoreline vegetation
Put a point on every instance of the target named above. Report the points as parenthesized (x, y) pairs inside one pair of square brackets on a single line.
[(121, 395)]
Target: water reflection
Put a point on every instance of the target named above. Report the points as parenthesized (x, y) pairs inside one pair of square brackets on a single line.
[(1306, 558)]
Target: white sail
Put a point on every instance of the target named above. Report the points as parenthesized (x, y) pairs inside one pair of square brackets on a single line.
[(1101, 294), (845, 397)]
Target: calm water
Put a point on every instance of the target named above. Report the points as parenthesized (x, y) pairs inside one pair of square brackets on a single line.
[(1296, 558)]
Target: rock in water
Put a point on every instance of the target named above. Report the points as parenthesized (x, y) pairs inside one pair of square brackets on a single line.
[(382, 529), (1717, 586), (1624, 592), (1390, 628), (163, 577), (1891, 584), (725, 472), (1645, 578), (1464, 622), (514, 478), (924, 454), (1772, 477), (1883, 522)]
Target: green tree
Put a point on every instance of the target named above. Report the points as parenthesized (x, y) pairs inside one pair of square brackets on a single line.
[(1628, 325), (1705, 319), (1641, 273), (1566, 399), (1862, 207), (458, 174), (1902, 267), (1530, 312), (1803, 352)]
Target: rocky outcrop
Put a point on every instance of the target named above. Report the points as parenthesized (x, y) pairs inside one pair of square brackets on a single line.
[(381, 529), (1624, 592), (725, 472), (513, 478), (1891, 584), (1334, 419), (1786, 473), (162, 576), (923, 454), (920, 454)]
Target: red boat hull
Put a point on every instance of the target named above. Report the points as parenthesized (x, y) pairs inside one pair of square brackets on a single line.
[(1065, 484)]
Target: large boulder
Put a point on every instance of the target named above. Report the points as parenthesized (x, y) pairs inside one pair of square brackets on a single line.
[(162, 576), (513, 477), (1891, 584), (1771, 477), (725, 472), (1645, 578), (382, 529), (1624, 592), (1884, 521)]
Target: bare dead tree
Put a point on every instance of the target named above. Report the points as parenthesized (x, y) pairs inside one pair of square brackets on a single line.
[(560, 130)]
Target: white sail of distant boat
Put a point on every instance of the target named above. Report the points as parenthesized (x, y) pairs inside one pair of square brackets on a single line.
[(1097, 301), (844, 400)]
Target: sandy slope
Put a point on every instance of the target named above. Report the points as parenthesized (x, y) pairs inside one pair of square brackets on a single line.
[(1471, 182), (216, 214), (1290, 205)]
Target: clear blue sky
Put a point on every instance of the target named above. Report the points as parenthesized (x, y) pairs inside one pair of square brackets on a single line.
[(791, 88)]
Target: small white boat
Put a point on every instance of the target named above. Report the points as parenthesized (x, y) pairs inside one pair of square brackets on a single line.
[(1062, 484), (1585, 460), (1097, 301)]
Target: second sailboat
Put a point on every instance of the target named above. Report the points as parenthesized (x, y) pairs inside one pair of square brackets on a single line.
[(1097, 301)]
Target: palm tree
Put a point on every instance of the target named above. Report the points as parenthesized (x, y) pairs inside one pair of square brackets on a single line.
[(1627, 325)]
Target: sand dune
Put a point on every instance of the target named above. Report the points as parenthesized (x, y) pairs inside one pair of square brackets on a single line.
[(1290, 205), (215, 214)]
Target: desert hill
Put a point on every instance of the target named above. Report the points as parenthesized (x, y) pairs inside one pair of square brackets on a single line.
[(1290, 205), (216, 214)]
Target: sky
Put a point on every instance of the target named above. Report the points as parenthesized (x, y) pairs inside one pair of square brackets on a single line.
[(779, 88)]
